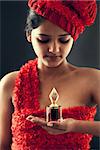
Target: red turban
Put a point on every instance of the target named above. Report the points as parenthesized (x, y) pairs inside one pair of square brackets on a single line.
[(71, 15)]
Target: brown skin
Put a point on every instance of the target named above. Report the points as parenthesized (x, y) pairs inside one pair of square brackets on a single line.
[(76, 86), (6, 109)]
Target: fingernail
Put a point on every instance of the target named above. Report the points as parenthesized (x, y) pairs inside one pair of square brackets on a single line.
[(29, 118), (49, 124)]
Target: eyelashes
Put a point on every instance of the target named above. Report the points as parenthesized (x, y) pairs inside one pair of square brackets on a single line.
[(61, 40), (64, 41), (43, 41)]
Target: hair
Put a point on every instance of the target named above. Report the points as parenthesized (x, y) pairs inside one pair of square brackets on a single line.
[(33, 21)]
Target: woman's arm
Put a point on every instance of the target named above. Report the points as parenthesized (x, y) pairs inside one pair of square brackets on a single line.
[(96, 87), (6, 109), (90, 127), (68, 125)]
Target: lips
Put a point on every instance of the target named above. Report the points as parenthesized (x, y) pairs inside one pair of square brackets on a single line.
[(52, 56)]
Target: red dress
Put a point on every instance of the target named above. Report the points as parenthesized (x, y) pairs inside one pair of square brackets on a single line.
[(30, 136)]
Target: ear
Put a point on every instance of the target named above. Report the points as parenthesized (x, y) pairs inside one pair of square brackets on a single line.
[(29, 38)]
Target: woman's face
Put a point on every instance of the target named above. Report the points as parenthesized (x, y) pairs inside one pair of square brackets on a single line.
[(51, 44)]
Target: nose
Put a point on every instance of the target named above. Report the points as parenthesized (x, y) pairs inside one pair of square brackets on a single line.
[(54, 47)]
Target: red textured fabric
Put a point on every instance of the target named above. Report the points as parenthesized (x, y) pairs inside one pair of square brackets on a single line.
[(72, 16), (30, 136)]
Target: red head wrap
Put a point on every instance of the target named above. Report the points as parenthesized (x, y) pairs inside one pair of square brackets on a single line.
[(71, 15)]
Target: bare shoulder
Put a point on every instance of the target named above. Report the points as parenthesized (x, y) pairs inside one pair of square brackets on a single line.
[(92, 77), (89, 79), (6, 108), (8, 81), (90, 73), (85, 72)]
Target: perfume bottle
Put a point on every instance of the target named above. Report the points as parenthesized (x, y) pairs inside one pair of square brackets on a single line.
[(53, 111)]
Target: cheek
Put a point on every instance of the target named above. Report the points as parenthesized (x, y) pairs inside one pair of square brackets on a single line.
[(38, 48), (37, 45), (67, 48), (37, 51), (34, 44)]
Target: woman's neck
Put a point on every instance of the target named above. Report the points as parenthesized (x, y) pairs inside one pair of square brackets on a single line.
[(52, 71)]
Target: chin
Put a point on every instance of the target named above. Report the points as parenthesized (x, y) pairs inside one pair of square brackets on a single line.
[(51, 64)]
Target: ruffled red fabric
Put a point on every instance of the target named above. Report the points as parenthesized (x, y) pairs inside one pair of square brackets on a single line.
[(30, 136), (72, 16)]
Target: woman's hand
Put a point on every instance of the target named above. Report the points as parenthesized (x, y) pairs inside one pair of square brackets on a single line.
[(59, 126), (54, 127)]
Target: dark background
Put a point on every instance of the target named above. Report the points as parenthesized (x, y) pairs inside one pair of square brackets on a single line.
[(15, 50)]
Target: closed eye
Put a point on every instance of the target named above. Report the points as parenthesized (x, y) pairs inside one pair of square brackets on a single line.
[(64, 40), (61, 40), (43, 41)]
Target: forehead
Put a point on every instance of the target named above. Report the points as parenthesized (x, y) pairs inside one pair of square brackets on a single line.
[(49, 28)]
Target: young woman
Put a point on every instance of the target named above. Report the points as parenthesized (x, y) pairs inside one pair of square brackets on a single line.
[(52, 27)]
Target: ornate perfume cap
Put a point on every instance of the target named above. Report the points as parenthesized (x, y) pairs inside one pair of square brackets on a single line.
[(54, 96)]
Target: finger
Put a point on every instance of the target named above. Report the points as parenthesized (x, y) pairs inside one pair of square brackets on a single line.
[(53, 131), (60, 120), (38, 120), (49, 124), (57, 125), (34, 118), (29, 117), (52, 123), (56, 133)]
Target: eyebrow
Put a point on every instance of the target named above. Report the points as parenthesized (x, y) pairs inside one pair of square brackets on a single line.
[(49, 35)]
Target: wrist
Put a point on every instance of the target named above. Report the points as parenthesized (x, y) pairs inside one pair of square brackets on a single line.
[(86, 126), (72, 125), (75, 125)]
